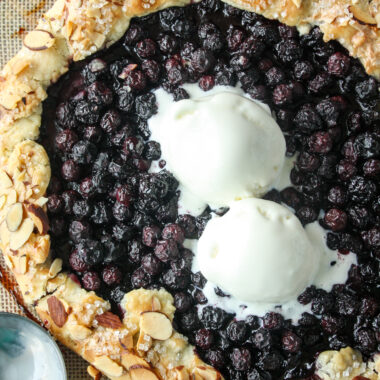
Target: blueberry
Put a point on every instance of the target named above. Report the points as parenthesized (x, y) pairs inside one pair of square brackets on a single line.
[(145, 105), (241, 359), (110, 121), (79, 230), (214, 318), (111, 275), (166, 250), (237, 331), (93, 252), (338, 64), (91, 281), (65, 140)]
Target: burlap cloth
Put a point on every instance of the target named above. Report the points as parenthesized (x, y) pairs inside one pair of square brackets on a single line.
[(16, 17)]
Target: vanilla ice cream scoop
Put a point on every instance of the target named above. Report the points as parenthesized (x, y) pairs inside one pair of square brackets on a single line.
[(258, 252), (221, 147)]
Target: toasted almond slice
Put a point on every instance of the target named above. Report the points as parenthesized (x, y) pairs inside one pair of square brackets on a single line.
[(12, 197), (4, 233), (156, 324), (94, 373), (181, 373), (39, 39), (78, 332), (108, 319), (156, 304), (21, 236), (108, 366), (142, 373), (21, 191), (28, 193), (207, 373), (126, 342), (14, 217), (20, 65), (3, 200), (55, 282), (21, 264), (127, 70), (361, 15), (57, 311), (55, 267), (39, 217), (5, 181), (130, 360), (41, 201)]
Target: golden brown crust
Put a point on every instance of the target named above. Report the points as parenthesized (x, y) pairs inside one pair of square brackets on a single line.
[(71, 30), (82, 321), (346, 364), (355, 24)]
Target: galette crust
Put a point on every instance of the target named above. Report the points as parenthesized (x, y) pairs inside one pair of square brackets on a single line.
[(70, 31)]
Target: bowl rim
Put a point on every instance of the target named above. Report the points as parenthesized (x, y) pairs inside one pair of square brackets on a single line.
[(6, 315)]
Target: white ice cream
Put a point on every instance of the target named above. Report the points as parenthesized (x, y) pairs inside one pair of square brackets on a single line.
[(224, 149), (220, 147), (258, 252)]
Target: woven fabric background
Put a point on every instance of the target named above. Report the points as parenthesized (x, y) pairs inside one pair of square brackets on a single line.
[(16, 17)]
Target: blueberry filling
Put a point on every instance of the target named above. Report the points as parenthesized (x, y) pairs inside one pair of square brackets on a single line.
[(117, 227)]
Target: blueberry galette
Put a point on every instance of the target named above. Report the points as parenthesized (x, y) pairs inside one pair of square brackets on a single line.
[(191, 190)]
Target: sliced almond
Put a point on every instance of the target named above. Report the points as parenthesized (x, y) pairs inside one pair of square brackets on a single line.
[(41, 201), (142, 373), (21, 264), (21, 189), (14, 217), (361, 15), (109, 319), (79, 332), (55, 267), (5, 181), (5, 235), (156, 304), (130, 360), (127, 70), (19, 65), (108, 366), (144, 342), (94, 373), (39, 217), (12, 197), (38, 39), (21, 236), (207, 373), (57, 311), (156, 324), (181, 373), (126, 342), (29, 193), (55, 282), (3, 200)]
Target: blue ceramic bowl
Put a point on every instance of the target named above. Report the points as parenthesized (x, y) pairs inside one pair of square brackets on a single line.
[(27, 351)]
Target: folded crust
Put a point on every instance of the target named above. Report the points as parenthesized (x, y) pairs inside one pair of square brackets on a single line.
[(72, 30)]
